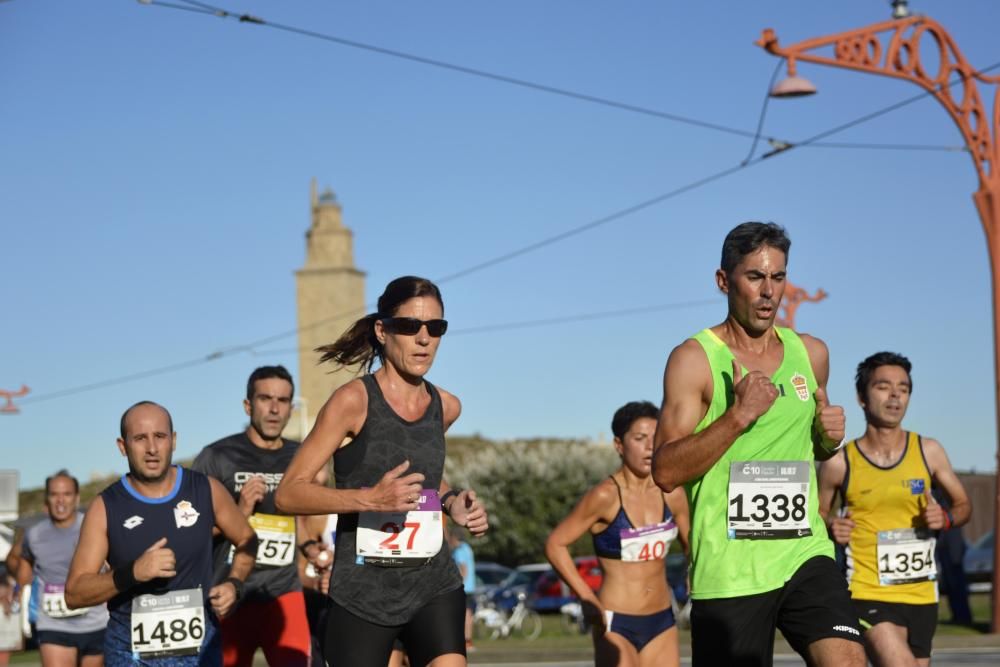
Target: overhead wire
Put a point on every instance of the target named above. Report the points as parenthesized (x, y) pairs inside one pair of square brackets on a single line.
[(205, 8), (813, 140), (454, 67), (545, 322)]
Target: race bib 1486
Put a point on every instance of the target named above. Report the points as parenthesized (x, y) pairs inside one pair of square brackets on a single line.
[(169, 624)]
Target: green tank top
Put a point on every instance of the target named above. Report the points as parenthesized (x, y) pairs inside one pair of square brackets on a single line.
[(780, 499)]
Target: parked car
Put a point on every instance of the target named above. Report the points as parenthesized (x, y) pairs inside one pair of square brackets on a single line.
[(489, 575), (551, 593), (520, 581), (677, 576), (978, 562)]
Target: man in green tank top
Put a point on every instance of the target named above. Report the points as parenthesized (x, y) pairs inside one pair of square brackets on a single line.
[(744, 417)]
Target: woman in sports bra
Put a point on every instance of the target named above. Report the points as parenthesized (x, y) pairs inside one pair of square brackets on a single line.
[(632, 523)]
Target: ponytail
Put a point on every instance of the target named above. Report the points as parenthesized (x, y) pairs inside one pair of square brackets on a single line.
[(357, 345)]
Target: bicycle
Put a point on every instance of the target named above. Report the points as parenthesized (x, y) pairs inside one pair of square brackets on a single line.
[(494, 623), (572, 619)]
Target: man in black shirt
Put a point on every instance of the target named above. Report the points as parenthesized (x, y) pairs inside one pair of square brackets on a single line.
[(272, 614)]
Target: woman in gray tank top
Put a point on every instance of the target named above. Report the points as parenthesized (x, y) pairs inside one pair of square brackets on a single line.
[(393, 576)]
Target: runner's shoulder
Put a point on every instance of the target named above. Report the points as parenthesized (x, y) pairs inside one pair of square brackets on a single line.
[(688, 363), (222, 449), (602, 499), (934, 453), (814, 346)]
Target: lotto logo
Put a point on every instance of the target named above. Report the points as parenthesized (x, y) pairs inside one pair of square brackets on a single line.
[(132, 521)]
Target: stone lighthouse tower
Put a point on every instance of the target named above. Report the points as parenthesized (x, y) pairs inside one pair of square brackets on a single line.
[(331, 296)]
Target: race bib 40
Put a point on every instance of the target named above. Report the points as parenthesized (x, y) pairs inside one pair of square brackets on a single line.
[(647, 543)]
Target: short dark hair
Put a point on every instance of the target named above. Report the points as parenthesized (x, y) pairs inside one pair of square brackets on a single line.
[(627, 415), (868, 366), (121, 426), (62, 473), (748, 237), (266, 373)]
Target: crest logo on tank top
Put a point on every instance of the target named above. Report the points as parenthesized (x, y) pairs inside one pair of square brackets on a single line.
[(132, 521), (185, 514), (801, 386)]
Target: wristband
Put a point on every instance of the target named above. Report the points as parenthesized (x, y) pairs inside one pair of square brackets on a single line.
[(237, 585), (949, 520), (305, 545), (448, 494), (124, 576)]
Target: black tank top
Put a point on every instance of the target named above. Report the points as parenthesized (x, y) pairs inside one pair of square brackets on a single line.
[(389, 595), (185, 517)]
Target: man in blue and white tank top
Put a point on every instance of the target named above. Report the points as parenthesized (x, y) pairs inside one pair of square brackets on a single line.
[(154, 528), (64, 636)]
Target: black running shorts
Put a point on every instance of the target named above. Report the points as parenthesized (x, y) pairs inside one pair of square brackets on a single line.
[(814, 604), (920, 621)]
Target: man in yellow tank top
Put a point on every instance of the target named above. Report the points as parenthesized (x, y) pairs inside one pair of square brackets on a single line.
[(888, 518), (745, 415)]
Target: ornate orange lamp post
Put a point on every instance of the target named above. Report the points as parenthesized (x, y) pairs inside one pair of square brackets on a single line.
[(892, 48), (8, 406), (795, 296)]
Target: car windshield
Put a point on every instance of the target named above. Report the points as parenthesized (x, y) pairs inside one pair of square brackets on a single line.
[(515, 578), (984, 542), (491, 577)]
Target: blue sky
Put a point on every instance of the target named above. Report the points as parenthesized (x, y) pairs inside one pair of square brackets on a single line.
[(156, 168)]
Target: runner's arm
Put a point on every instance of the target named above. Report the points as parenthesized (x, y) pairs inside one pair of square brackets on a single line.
[(23, 560), (341, 417), (831, 478), (579, 521), (829, 424), (14, 555), (677, 500), (236, 529), (469, 511), (681, 454), (944, 477), (86, 585)]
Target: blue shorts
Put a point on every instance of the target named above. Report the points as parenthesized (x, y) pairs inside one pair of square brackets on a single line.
[(118, 649), (640, 630)]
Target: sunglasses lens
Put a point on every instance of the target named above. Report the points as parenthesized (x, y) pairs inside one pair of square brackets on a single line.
[(437, 328), (410, 326)]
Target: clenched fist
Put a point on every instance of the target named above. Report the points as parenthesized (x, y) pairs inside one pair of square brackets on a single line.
[(754, 393), (157, 561), (830, 420), (395, 492)]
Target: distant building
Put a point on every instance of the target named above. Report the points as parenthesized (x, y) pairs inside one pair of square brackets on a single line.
[(330, 297), (982, 491)]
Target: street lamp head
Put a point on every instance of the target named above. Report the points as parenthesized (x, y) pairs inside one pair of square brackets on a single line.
[(793, 86), (900, 9)]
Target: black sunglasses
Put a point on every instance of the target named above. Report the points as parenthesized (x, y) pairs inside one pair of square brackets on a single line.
[(410, 326)]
